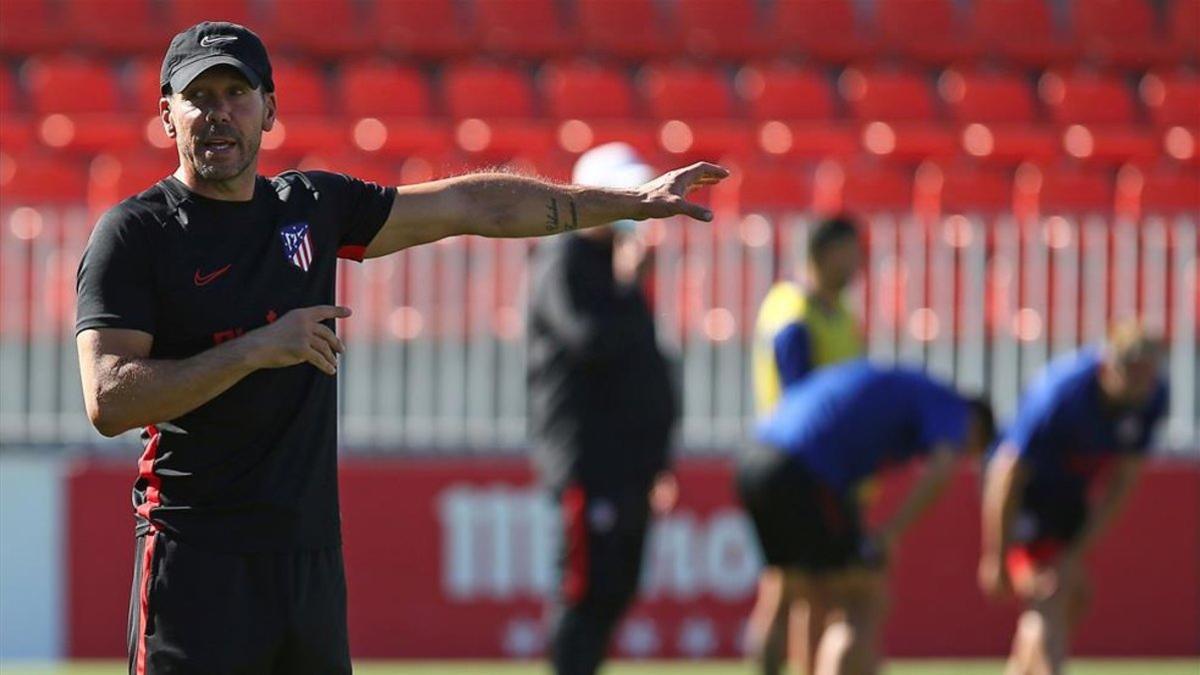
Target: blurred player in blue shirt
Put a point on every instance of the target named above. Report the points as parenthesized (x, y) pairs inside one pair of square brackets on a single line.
[(1090, 415), (829, 433)]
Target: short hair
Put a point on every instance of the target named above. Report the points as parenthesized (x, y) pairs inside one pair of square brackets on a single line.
[(829, 232), (1130, 341), (982, 410)]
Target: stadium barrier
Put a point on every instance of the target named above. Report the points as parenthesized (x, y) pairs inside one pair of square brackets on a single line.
[(435, 359), (452, 558)]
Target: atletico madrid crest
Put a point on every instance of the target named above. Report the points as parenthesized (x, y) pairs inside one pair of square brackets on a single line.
[(297, 245)]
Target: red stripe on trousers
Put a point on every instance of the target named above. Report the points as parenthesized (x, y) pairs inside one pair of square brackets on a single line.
[(575, 576), (144, 603), (146, 470)]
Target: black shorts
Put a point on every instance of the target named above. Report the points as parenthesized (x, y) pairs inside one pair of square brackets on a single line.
[(198, 611), (801, 523)]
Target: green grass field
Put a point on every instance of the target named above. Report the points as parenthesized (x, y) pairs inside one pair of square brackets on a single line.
[(930, 667)]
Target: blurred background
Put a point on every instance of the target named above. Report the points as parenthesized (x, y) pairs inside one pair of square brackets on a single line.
[(1026, 171)]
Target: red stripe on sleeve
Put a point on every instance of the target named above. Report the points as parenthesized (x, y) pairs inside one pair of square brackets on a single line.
[(352, 252)]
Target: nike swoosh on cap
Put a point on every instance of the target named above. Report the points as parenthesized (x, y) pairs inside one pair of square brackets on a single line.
[(210, 40)]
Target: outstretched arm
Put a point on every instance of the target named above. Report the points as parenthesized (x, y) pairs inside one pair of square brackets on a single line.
[(505, 205)]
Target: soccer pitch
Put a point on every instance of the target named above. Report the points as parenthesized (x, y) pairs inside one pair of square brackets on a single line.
[(896, 667)]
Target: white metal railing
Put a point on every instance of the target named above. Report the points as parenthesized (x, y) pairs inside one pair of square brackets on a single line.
[(435, 358)]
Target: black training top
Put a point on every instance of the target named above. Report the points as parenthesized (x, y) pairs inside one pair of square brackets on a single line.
[(602, 398), (254, 469)]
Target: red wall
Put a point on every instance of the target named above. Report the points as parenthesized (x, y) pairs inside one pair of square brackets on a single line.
[(447, 558)]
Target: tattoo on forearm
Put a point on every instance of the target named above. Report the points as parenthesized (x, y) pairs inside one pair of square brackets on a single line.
[(553, 222)]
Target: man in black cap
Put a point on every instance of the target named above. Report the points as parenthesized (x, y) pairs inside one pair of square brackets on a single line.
[(205, 318)]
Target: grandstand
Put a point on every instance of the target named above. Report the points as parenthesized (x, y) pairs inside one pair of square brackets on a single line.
[(966, 131), (1028, 171)]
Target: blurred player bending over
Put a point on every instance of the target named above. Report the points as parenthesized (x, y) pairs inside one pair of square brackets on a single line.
[(800, 329), (1089, 415), (205, 318), (830, 432), (602, 408)]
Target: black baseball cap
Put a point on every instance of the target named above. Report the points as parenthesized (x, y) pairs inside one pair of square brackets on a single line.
[(215, 43)]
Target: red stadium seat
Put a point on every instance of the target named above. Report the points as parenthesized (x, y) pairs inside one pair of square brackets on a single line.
[(1041, 190), (143, 76), (772, 187), (1182, 18), (91, 132), (313, 27), (686, 92), (825, 30), (429, 28), (1182, 144), (30, 27), (112, 178), (586, 90), (1158, 191), (484, 89), (631, 29), (1020, 31), (785, 92), (1173, 98), (1087, 98), (496, 141), (41, 179), (70, 84), (943, 189), (124, 26), (923, 30), (300, 88), (887, 94), (728, 29), (401, 136), (972, 96), (392, 110), (526, 28), (809, 139), (378, 87), (1008, 145), (184, 13), (861, 188), (301, 134), (910, 141), (1121, 32), (705, 139), (1110, 145), (575, 136), (492, 106)]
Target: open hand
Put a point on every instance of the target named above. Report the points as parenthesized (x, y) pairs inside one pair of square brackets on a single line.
[(664, 494), (664, 196), (299, 336)]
